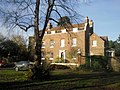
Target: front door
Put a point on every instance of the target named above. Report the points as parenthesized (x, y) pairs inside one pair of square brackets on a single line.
[(62, 54)]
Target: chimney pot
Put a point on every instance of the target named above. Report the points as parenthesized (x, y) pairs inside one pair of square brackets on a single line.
[(86, 19), (91, 23), (49, 26)]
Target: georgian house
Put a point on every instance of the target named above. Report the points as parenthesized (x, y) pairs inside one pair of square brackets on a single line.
[(72, 44)]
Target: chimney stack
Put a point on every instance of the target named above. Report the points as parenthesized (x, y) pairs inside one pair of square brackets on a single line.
[(91, 26), (91, 23), (86, 19), (86, 23)]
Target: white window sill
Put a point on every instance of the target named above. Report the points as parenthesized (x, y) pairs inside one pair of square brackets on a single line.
[(73, 58), (94, 46), (51, 58), (74, 45), (43, 58), (43, 47), (51, 46)]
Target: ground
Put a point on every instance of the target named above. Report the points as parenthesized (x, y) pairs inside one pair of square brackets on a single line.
[(61, 80)]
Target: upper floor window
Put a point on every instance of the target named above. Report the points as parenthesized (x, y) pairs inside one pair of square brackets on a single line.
[(94, 43), (74, 42), (62, 43), (43, 44), (75, 29), (52, 42)]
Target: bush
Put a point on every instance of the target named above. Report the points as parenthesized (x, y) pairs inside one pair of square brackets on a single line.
[(96, 66), (61, 60), (98, 63), (41, 72)]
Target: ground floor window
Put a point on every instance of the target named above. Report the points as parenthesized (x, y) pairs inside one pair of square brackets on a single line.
[(42, 55), (51, 55)]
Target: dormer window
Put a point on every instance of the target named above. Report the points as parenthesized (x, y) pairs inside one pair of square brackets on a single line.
[(52, 32), (75, 29), (58, 31), (63, 31)]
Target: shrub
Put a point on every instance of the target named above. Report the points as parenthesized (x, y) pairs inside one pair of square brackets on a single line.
[(98, 63), (59, 60), (41, 72), (96, 66)]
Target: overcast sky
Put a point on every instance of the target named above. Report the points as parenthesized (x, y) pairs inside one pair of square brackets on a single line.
[(104, 13)]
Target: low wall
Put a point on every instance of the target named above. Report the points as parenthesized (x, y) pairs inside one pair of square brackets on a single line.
[(115, 63), (71, 65)]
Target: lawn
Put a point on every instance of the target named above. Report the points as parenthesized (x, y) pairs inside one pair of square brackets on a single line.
[(12, 76), (60, 80)]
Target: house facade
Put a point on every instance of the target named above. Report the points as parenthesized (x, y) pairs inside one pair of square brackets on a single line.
[(71, 44)]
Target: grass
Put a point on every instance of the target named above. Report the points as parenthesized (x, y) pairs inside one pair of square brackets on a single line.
[(61, 80), (12, 76)]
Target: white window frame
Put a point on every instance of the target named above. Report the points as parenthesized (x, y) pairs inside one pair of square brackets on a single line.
[(74, 42), (94, 43), (62, 43)]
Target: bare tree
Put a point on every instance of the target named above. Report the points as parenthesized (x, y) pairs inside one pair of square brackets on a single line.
[(35, 14)]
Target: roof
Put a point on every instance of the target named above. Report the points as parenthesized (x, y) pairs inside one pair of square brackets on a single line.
[(105, 38), (80, 26)]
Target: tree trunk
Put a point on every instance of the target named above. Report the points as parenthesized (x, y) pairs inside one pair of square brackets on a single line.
[(37, 69), (36, 33)]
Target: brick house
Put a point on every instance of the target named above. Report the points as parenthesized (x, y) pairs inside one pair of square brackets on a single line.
[(71, 44), (98, 45)]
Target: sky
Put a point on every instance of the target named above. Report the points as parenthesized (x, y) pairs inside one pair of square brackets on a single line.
[(104, 13)]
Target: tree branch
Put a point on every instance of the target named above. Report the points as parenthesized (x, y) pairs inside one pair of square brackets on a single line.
[(53, 20), (24, 27)]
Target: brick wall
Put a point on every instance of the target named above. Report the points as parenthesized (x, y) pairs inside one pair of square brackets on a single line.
[(80, 37), (99, 48)]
